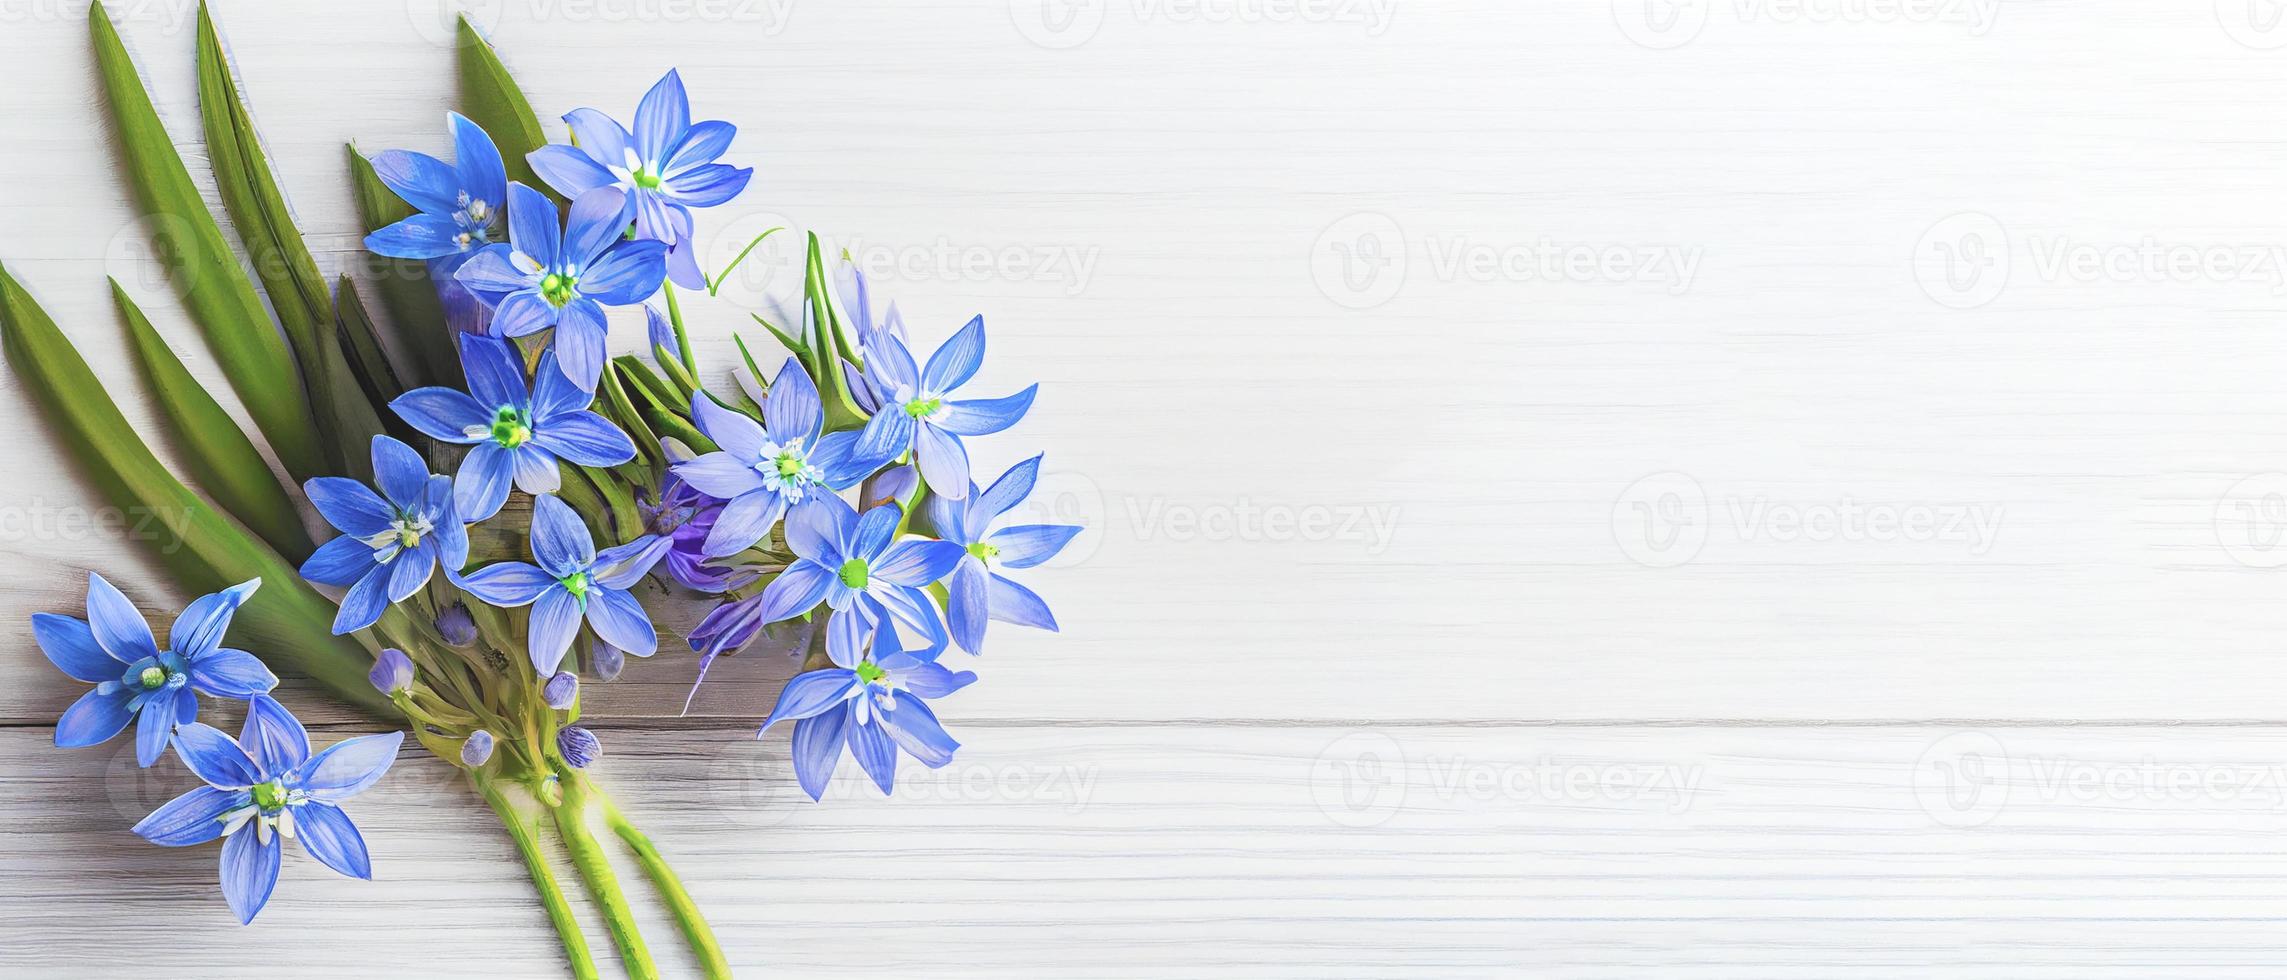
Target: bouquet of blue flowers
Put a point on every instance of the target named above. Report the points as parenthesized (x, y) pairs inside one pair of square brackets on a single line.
[(496, 484)]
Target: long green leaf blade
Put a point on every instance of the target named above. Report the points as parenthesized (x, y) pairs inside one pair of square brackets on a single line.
[(250, 194), (491, 100), (287, 622), (225, 462), (251, 351)]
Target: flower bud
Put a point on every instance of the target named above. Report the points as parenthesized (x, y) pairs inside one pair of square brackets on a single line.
[(456, 625), (606, 661), (578, 746), (477, 749), (561, 690), (392, 672)]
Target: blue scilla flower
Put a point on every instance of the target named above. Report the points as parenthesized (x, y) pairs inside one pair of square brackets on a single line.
[(391, 541), (546, 277), (264, 788), (978, 591), (573, 581), (517, 435), (912, 410), (134, 679), (667, 166), (765, 469), (853, 565), (461, 204), (874, 705)]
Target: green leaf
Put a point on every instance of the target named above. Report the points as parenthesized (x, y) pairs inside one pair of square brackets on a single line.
[(250, 194), (416, 317), (376, 374), (287, 622), (252, 353), (650, 456), (225, 462), (825, 347), (491, 100)]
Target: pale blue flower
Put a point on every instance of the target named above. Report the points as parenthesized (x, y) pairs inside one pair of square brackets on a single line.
[(573, 582), (391, 542), (978, 591), (517, 435), (546, 277), (912, 408), (134, 679), (874, 706), (852, 565)]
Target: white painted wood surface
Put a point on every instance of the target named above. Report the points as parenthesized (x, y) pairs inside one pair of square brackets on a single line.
[(1907, 576)]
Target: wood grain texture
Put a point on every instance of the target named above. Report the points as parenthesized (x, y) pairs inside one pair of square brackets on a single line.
[(1477, 381)]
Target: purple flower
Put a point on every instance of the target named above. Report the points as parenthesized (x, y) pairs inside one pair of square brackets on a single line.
[(477, 749), (517, 435), (874, 707), (851, 564), (545, 278), (392, 672), (134, 679), (912, 411), (766, 469), (685, 516), (561, 690), (267, 778), (578, 746), (573, 581), (667, 165), (455, 624), (979, 592), (392, 541)]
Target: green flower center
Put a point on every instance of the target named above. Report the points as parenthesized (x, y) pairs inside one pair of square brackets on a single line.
[(647, 180), (983, 551), (558, 289), (790, 465), (152, 678), (408, 536), (270, 796), (854, 573), (576, 584), (922, 408), (509, 428), (871, 672)]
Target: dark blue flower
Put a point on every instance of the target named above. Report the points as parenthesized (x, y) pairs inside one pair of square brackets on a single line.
[(573, 581), (977, 591), (667, 165), (912, 411), (392, 541), (134, 679), (563, 278), (267, 780), (461, 204), (518, 435), (874, 707)]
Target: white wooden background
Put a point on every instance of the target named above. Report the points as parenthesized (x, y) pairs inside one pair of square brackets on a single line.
[(1895, 594)]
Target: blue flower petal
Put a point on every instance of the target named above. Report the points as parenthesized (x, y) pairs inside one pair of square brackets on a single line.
[(916, 729), (425, 182), (561, 543), (708, 186), (846, 632), (569, 169), (192, 818), (215, 758), (555, 622), (532, 227), (117, 626), (891, 362), (349, 505), (917, 563), (420, 236), (228, 673), (71, 646), (273, 737), (507, 584), (944, 462), (621, 566), (347, 767), (719, 474), (956, 362), (735, 432), (875, 528), (401, 473), (585, 438), (535, 469), (411, 569), (1013, 603), (493, 272), (442, 414), (477, 163), (795, 591), (985, 416), (810, 694), (580, 336), (742, 522), (1008, 491), (327, 834), (339, 562), (95, 718), (793, 411), (523, 313), (818, 748), (1027, 545), (627, 274), (554, 395), (886, 435), (155, 724), (481, 485), (875, 753), (967, 607), (250, 871), (597, 219), (620, 621), (599, 136), (820, 529), (365, 601), (701, 145), (662, 118)]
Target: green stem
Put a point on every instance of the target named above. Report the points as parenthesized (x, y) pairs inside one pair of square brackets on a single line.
[(551, 894), (682, 338), (603, 884), (696, 931)]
